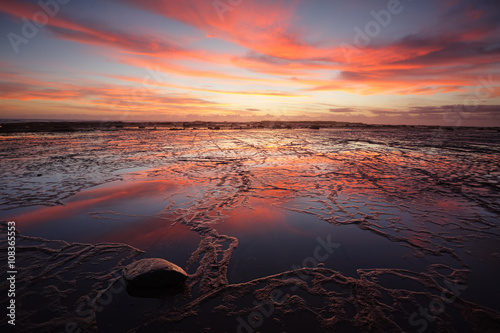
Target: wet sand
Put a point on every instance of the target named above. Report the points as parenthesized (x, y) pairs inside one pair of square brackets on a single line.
[(285, 228)]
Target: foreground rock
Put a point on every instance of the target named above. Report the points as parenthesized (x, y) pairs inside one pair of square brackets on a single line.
[(154, 273)]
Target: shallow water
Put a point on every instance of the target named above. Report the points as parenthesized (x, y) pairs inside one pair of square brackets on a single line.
[(406, 212)]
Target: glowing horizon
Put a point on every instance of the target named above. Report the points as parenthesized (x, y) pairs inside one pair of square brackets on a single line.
[(382, 62)]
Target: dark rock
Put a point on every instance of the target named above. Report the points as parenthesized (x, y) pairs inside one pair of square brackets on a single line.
[(153, 273), (164, 292)]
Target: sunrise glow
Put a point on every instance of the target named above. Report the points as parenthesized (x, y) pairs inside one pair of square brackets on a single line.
[(382, 62)]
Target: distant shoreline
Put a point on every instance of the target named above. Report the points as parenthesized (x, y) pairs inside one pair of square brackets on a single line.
[(22, 126)]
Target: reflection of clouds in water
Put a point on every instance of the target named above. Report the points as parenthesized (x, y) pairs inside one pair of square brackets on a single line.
[(384, 192)]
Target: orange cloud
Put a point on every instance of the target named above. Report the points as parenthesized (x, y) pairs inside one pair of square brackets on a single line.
[(262, 26)]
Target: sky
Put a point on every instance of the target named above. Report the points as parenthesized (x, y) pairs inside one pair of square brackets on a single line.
[(412, 62)]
